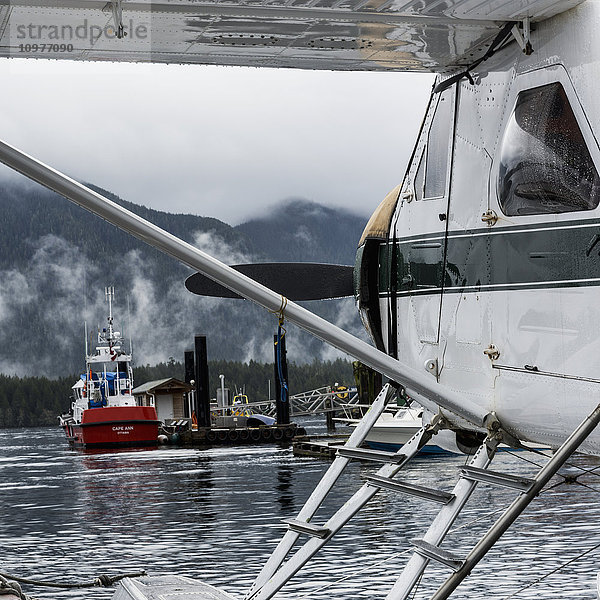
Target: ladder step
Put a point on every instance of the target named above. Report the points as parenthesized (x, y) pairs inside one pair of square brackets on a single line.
[(411, 489), (374, 455), (442, 556), (308, 528), (511, 481)]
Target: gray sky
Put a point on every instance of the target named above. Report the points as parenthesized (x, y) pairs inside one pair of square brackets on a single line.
[(216, 141)]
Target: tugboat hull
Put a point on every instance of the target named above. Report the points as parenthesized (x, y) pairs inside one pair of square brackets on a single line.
[(115, 426)]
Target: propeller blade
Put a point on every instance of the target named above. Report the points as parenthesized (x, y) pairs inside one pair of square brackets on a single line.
[(295, 281)]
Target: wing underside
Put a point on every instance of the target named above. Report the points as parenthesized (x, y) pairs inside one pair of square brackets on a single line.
[(346, 35)]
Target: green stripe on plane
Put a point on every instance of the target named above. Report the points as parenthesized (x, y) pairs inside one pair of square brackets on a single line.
[(546, 256)]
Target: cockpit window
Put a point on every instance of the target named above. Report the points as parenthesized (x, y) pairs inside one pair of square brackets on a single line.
[(438, 148), (545, 165)]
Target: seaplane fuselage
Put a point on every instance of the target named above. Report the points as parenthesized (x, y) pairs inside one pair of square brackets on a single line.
[(483, 267)]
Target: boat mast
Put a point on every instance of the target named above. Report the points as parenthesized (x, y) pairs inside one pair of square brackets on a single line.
[(109, 292), (129, 326)]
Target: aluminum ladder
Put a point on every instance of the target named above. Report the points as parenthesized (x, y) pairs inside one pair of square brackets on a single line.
[(277, 571)]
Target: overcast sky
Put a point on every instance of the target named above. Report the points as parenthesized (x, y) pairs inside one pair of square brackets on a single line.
[(215, 141)]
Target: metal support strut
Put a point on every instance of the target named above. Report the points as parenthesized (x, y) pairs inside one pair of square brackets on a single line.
[(520, 503), (117, 11)]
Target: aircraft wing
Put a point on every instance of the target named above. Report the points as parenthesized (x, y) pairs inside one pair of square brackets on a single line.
[(344, 35)]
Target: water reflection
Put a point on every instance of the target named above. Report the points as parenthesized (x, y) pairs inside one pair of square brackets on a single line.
[(214, 514), (284, 487)]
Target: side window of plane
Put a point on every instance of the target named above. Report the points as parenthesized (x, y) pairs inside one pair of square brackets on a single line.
[(420, 178), (545, 165), (437, 154)]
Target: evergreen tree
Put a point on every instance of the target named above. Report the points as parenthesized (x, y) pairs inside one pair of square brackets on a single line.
[(38, 401)]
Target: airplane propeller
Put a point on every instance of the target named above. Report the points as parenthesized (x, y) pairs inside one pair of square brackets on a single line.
[(295, 281)]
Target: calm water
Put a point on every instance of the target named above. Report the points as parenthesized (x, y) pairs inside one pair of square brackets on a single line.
[(214, 515)]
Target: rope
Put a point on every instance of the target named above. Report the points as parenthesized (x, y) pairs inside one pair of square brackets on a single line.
[(559, 568), (280, 313), (12, 588), (100, 581)]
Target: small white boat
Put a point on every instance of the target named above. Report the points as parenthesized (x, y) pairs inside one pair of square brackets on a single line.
[(393, 430)]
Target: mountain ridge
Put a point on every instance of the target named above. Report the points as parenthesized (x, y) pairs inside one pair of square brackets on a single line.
[(311, 231), (57, 258)]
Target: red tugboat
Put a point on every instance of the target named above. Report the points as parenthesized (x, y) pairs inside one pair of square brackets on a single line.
[(104, 413)]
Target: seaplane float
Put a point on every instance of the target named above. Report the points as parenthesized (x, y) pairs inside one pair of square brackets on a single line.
[(477, 277)]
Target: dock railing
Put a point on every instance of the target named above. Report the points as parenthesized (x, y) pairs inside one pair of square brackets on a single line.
[(322, 400)]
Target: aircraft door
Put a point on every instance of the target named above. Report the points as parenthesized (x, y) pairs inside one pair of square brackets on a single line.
[(465, 323), (546, 192), (416, 246)]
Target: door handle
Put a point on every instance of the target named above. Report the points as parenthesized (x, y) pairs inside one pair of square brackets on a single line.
[(592, 245)]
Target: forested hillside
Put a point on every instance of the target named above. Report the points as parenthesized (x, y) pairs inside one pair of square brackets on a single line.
[(306, 231), (56, 259), (37, 401)]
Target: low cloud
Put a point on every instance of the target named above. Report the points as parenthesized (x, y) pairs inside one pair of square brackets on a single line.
[(61, 288), (302, 234), (215, 245)]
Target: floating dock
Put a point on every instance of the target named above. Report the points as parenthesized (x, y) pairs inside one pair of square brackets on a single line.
[(237, 436), (320, 446)]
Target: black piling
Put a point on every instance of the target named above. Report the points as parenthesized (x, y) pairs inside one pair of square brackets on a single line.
[(196, 370), (282, 407), (329, 418), (190, 368), (202, 390)]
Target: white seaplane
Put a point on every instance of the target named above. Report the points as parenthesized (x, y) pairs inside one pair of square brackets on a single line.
[(478, 276)]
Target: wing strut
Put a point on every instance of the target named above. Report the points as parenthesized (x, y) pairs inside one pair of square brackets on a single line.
[(418, 384)]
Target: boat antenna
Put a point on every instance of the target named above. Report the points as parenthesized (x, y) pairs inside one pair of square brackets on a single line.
[(109, 293), (86, 338), (129, 325)]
